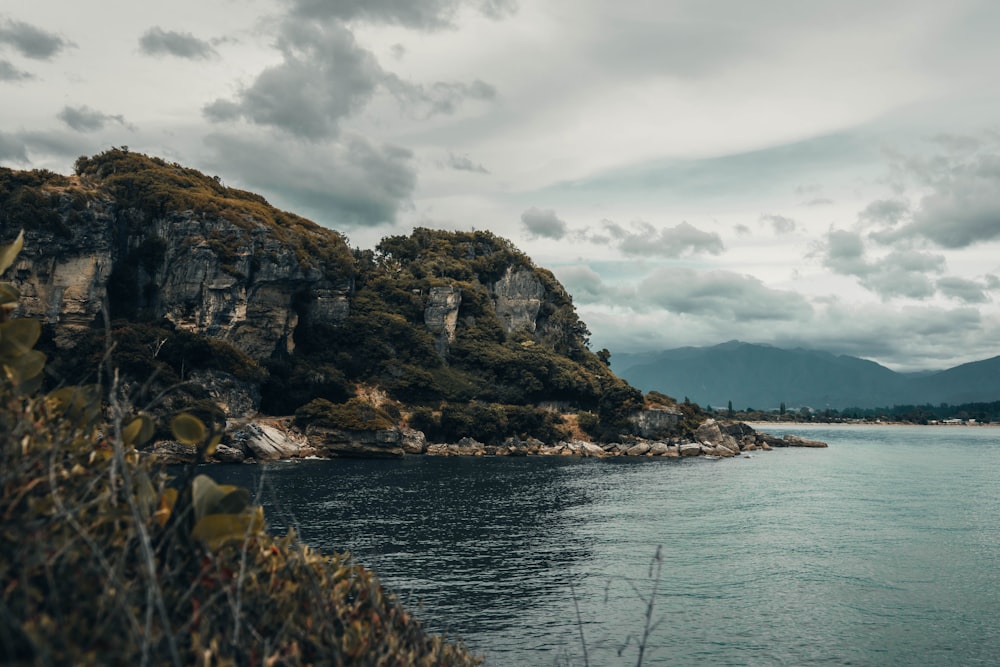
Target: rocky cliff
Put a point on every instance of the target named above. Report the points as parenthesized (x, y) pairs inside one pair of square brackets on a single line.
[(227, 273), (247, 307)]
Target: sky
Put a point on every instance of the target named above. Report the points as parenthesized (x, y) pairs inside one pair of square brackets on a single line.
[(796, 173)]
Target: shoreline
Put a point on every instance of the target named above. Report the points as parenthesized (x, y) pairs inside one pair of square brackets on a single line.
[(265, 440), (764, 424)]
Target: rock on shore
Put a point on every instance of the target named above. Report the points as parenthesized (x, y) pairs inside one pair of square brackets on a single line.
[(273, 439)]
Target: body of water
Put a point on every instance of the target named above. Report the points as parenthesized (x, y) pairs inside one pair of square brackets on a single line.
[(883, 549)]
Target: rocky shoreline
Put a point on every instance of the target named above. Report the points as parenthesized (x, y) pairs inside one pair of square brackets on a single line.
[(260, 440)]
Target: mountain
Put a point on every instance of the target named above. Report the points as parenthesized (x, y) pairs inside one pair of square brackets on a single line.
[(977, 381), (764, 377), (231, 302)]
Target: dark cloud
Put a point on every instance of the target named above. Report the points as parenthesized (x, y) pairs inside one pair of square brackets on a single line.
[(643, 239), (12, 149), (779, 223), (742, 230), (720, 295), (904, 273), (85, 119), (347, 183), (961, 202), (543, 223), (844, 253), (325, 77), (463, 163), (31, 41), (967, 291), (425, 14), (10, 73), (886, 212), (901, 273), (159, 42)]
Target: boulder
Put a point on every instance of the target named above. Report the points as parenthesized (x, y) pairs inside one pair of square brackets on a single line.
[(640, 449), (659, 449), (437, 449), (412, 441), (270, 440), (689, 449), (711, 433), (227, 454), (796, 441), (590, 449)]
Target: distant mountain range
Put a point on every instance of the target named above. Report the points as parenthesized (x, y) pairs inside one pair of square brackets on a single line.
[(762, 377)]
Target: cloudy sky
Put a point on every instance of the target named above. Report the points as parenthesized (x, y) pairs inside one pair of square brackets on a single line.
[(818, 174)]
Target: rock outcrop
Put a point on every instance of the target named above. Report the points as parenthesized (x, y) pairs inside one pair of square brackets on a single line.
[(441, 315), (517, 298), (269, 440), (655, 422), (331, 443)]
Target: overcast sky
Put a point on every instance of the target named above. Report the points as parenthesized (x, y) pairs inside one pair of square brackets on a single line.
[(800, 173)]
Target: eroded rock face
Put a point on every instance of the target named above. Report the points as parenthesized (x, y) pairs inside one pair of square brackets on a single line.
[(656, 422), (205, 274), (517, 298), (63, 278), (441, 315), (330, 443)]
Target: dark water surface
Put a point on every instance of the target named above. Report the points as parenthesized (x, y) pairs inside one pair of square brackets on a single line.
[(882, 550)]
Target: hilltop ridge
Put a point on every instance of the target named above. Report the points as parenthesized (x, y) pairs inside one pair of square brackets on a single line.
[(244, 308)]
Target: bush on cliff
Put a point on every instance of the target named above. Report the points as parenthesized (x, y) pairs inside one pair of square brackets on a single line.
[(489, 423), (103, 562), (354, 415)]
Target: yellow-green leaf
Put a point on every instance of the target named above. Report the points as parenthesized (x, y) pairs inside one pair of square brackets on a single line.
[(8, 294), (9, 252), (81, 403), (216, 528), (18, 336), (138, 431), (211, 498), (213, 443), (188, 429), (25, 367)]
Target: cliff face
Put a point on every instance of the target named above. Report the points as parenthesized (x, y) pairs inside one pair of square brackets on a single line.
[(226, 274), (212, 289), (517, 298)]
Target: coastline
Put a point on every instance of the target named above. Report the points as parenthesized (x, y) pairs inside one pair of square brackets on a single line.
[(267, 439)]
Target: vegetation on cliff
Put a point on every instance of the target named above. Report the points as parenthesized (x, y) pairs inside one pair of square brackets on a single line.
[(105, 560), (512, 364)]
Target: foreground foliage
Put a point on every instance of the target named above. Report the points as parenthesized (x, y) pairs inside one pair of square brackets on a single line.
[(105, 560)]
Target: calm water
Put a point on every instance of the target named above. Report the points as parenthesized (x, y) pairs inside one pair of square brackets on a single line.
[(882, 550)]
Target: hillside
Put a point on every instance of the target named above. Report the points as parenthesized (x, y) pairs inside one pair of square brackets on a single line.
[(236, 305), (764, 377)]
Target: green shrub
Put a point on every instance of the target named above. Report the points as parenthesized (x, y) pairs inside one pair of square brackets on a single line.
[(354, 415)]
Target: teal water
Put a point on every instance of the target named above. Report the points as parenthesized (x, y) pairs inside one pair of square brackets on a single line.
[(883, 549)]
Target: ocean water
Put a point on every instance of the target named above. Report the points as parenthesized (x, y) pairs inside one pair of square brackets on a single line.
[(883, 549)]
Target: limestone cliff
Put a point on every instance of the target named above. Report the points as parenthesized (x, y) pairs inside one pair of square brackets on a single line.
[(230, 273), (215, 294)]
